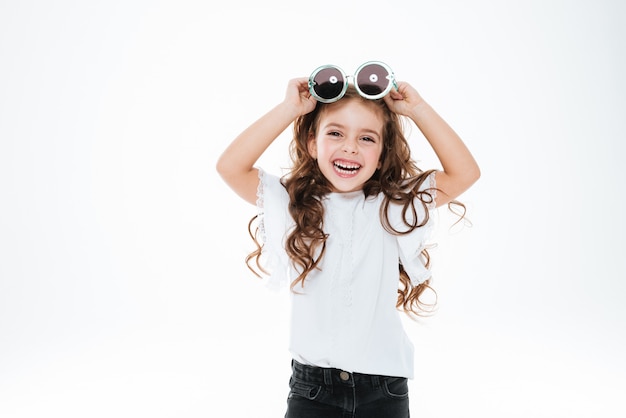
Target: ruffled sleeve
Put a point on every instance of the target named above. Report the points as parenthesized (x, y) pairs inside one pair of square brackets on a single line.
[(410, 245), (274, 222)]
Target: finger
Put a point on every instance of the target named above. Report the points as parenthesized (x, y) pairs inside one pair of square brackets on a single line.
[(389, 101), (302, 83), (402, 86), (396, 95)]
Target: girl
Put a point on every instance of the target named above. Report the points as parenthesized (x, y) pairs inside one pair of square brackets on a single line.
[(347, 229)]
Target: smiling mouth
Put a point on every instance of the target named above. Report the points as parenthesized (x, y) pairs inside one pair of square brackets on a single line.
[(346, 168)]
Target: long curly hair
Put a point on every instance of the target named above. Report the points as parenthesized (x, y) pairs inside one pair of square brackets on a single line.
[(398, 178)]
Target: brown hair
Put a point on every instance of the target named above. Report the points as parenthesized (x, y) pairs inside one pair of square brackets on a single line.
[(398, 178)]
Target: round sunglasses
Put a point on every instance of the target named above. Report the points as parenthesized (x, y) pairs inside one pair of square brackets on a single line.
[(372, 80)]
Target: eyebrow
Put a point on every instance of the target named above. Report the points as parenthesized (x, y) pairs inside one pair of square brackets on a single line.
[(340, 126)]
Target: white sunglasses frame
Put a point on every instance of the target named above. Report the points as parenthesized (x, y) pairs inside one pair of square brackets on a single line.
[(392, 82)]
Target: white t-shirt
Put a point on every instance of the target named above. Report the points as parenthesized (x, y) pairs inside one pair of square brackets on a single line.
[(345, 315)]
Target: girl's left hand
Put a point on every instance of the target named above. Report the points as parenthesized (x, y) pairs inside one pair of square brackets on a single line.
[(404, 100)]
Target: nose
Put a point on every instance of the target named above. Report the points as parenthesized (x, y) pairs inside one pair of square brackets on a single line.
[(350, 146)]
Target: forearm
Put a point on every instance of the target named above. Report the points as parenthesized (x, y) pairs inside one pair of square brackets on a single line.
[(236, 164), (245, 150), (460, 169)]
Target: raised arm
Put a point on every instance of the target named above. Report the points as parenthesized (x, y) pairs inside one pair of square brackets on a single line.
[(460, 170), (236, 164)]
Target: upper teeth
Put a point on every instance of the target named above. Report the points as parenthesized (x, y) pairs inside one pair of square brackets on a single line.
[(347, 166)]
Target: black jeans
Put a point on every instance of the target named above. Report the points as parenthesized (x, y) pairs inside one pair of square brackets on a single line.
[(333, 393)]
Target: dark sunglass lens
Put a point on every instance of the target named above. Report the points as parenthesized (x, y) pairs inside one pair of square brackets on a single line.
[(329, 83), (373, 79)]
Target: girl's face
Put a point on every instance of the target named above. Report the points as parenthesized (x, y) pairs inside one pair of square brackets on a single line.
[(348, 144)]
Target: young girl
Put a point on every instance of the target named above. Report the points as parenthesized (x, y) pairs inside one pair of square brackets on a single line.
[(347, 229)]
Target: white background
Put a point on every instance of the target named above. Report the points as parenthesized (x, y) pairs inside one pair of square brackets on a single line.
[(123, 290)]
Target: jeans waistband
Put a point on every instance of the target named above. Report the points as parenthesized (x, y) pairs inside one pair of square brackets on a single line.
[(332, 376)]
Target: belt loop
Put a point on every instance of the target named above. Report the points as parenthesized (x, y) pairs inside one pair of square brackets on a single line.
[(376, 381), (328, 379)]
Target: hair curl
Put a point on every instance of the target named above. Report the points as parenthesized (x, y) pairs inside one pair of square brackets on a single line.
[(398, 178)]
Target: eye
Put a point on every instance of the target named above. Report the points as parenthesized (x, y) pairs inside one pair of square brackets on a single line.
[(333, 133), (367, 139)]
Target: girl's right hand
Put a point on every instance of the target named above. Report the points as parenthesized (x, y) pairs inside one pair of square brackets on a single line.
[(298, 96)]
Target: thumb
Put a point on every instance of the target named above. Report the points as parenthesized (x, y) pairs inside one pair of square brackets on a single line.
[(393, 97), (398, 92)]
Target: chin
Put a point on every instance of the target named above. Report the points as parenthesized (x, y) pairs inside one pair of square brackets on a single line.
[(347, 188)]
